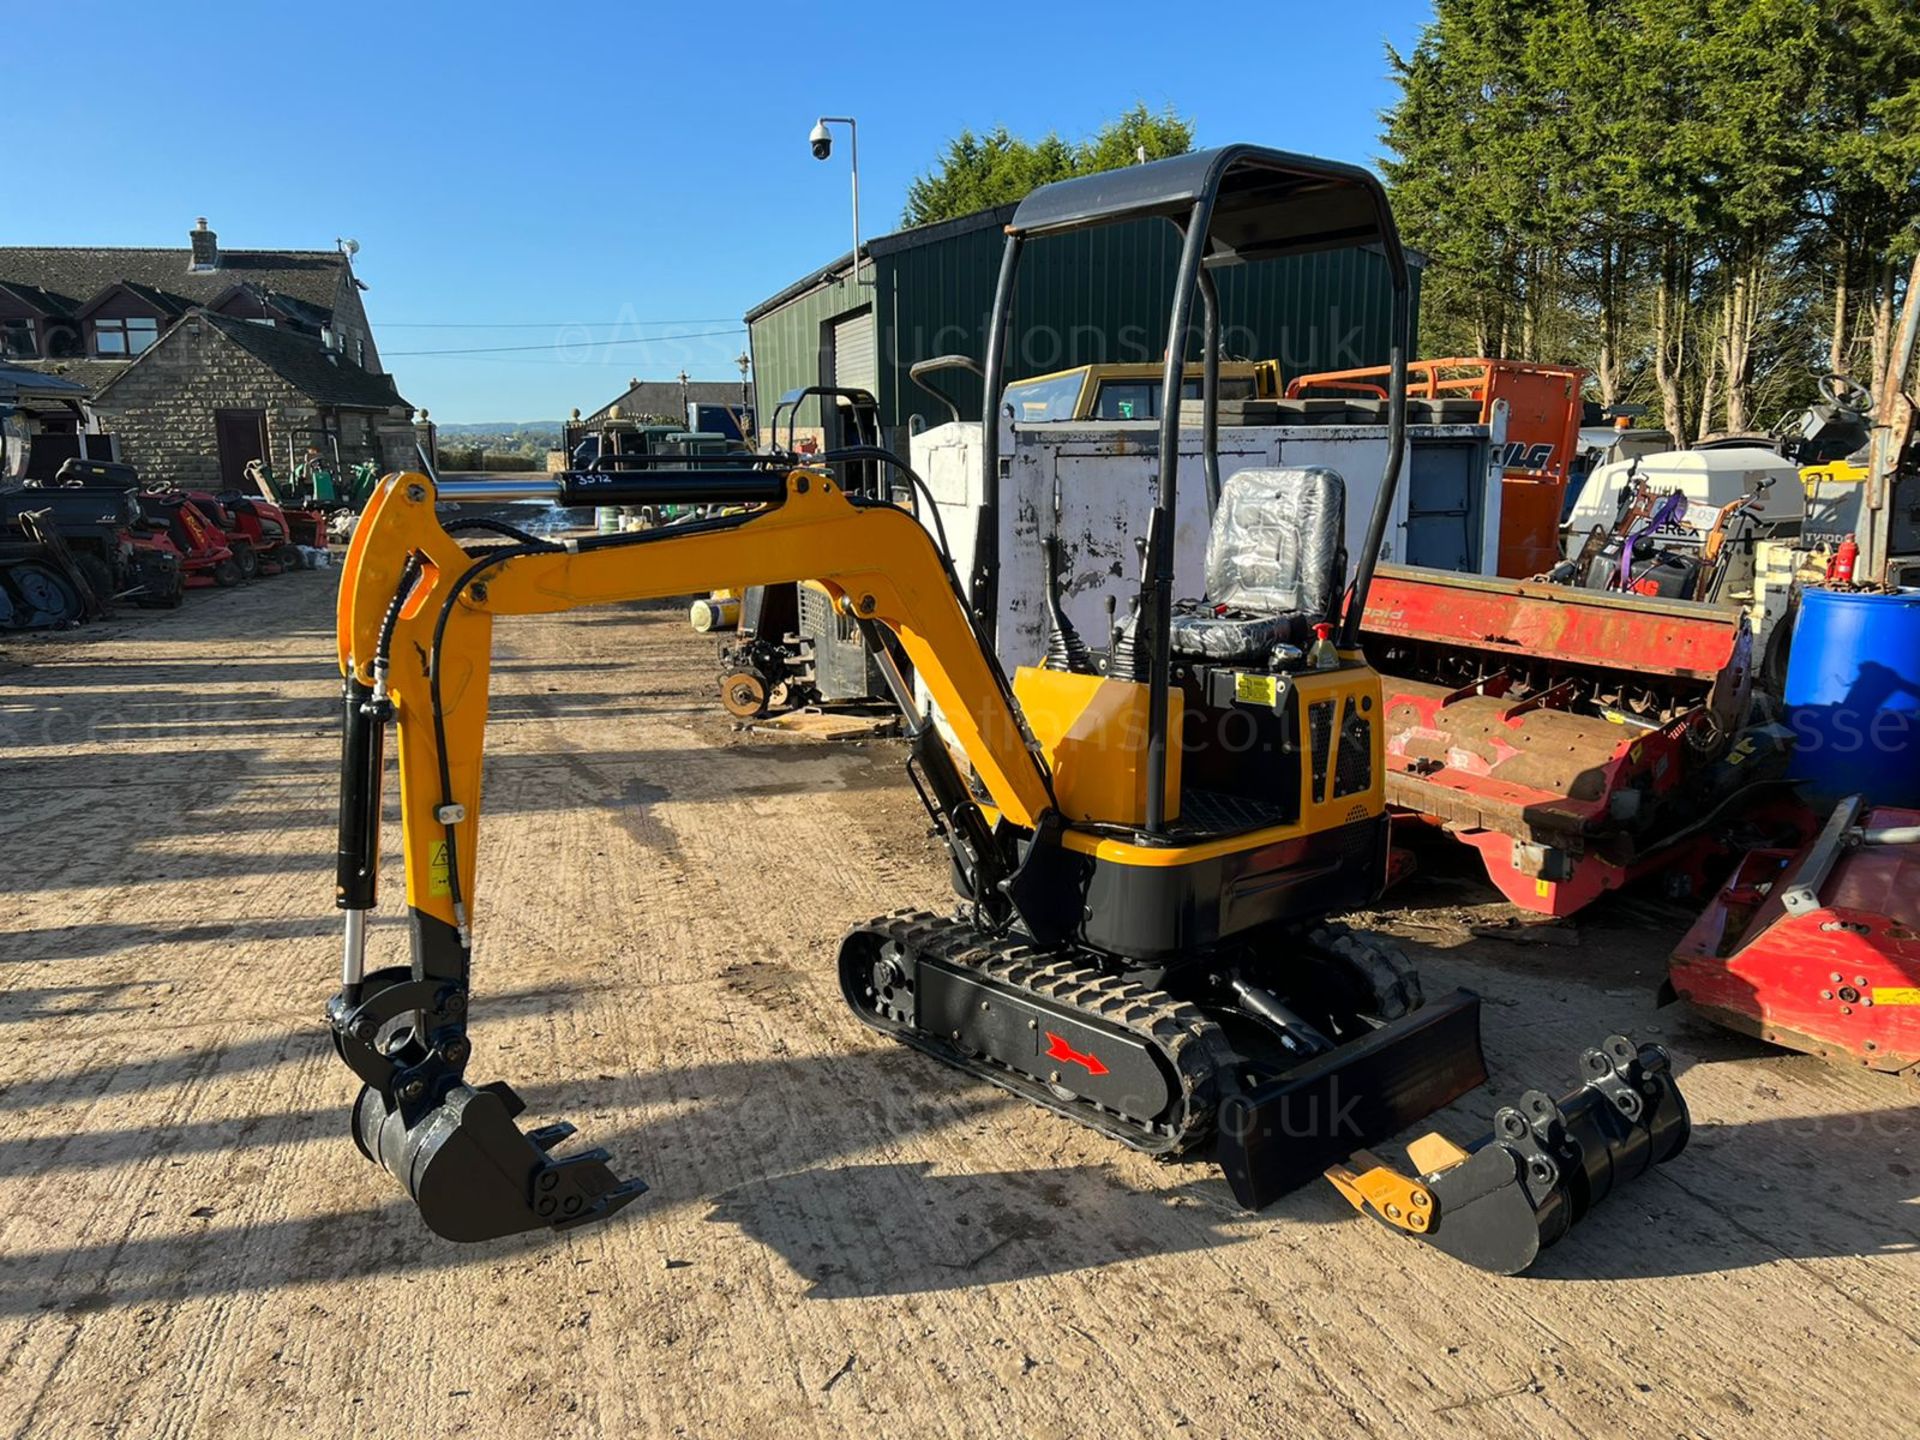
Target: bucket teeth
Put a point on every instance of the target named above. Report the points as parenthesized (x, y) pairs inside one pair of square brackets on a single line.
[(548, 1136)]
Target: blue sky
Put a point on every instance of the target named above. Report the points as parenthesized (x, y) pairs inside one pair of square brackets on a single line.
[(588, 176)]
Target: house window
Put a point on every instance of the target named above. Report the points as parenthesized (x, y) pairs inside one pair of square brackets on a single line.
[(360, 353), (17, 341), (130, 336)]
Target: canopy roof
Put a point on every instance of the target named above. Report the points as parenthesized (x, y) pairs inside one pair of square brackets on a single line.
[(1270, 202)]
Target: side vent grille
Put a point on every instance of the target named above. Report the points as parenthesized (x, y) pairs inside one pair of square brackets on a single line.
[(1320, 743), (1353, 771)]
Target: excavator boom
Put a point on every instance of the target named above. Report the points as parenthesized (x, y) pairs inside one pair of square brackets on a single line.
[(416, 615)]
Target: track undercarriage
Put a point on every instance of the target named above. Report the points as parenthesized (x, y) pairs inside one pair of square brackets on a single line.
[(1146, 1056)]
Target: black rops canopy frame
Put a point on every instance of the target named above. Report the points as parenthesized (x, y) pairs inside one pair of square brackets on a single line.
[(1238, 203)]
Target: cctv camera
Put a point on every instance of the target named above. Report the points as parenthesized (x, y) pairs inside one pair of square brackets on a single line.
[(821, 140)]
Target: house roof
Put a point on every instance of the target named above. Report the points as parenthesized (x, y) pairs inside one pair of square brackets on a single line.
[(302, 361), (73, 275), (83, 370), (662, 397), (56, 306), (316, 316), (306, 364), (171, 306), (17, 382)]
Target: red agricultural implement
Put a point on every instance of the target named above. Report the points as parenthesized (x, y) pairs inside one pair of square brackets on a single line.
[(247, 559), (1819, 949), (1543, 431), (1577, 740), (122, 552), (303, 518)]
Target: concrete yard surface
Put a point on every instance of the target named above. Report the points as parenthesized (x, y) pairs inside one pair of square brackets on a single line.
[(842, 1238)]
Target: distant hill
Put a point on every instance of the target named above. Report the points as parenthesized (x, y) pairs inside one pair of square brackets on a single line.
[(468, 444), (545, 431)]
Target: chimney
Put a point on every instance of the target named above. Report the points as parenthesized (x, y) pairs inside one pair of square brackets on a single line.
[(206, 247)]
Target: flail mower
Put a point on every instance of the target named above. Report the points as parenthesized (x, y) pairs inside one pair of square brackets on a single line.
[(1818, 949)]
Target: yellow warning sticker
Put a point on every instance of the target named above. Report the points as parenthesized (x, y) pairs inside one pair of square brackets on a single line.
[(1896, 994), (439, 876), (1256, 689), (1543, 888)]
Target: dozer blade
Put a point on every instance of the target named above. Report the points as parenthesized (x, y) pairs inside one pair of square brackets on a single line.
[(1277, 1136), (475, 1176), (1544, 1167)]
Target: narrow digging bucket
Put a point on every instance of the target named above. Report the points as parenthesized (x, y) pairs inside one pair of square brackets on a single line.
[(1541, 1171), (475, 1176)]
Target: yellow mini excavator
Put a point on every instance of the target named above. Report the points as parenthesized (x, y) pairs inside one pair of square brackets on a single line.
[(1147, 839)]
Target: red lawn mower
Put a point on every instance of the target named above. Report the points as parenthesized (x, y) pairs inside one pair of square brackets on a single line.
[(260, 524), (238, 539), (206, 557), (305, 518)]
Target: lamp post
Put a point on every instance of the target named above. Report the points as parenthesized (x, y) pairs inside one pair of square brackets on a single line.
[(822, 142)]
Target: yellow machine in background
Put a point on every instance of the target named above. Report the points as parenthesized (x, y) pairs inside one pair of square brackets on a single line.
[(1130, 392)]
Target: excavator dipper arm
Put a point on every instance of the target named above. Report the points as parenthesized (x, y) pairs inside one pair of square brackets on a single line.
[(415, 629)]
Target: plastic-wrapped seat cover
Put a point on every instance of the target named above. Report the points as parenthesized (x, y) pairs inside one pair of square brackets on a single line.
[(1275, 562)]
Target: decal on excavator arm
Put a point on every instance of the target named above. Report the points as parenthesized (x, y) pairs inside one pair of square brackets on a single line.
[(439, 873)]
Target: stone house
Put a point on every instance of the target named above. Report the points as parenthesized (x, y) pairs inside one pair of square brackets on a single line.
[(253, 391), (201, 359)]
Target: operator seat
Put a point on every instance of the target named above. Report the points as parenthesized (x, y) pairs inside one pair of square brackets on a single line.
[(1276, 563)]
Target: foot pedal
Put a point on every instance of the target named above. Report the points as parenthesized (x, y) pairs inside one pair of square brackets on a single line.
[(475, 1176)]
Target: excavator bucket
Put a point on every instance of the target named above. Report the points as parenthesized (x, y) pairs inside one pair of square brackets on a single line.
[(475, 1176), (454, 1146), (1540, 1172)]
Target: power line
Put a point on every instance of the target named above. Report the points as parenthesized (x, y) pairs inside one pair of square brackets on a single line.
[(572, 344), (588, 367), (545, 324)]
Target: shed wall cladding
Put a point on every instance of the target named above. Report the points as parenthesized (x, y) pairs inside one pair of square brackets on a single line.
[(1094, 297), (788, 344)]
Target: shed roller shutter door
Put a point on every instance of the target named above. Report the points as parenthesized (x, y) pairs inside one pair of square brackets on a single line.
[(853, 353)]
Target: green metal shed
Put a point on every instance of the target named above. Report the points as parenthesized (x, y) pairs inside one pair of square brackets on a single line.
[(1093, 297)]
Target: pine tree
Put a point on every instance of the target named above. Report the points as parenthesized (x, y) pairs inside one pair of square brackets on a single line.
[(977, 172)]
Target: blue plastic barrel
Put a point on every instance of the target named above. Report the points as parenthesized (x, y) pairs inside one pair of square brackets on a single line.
[(1853, 696)]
